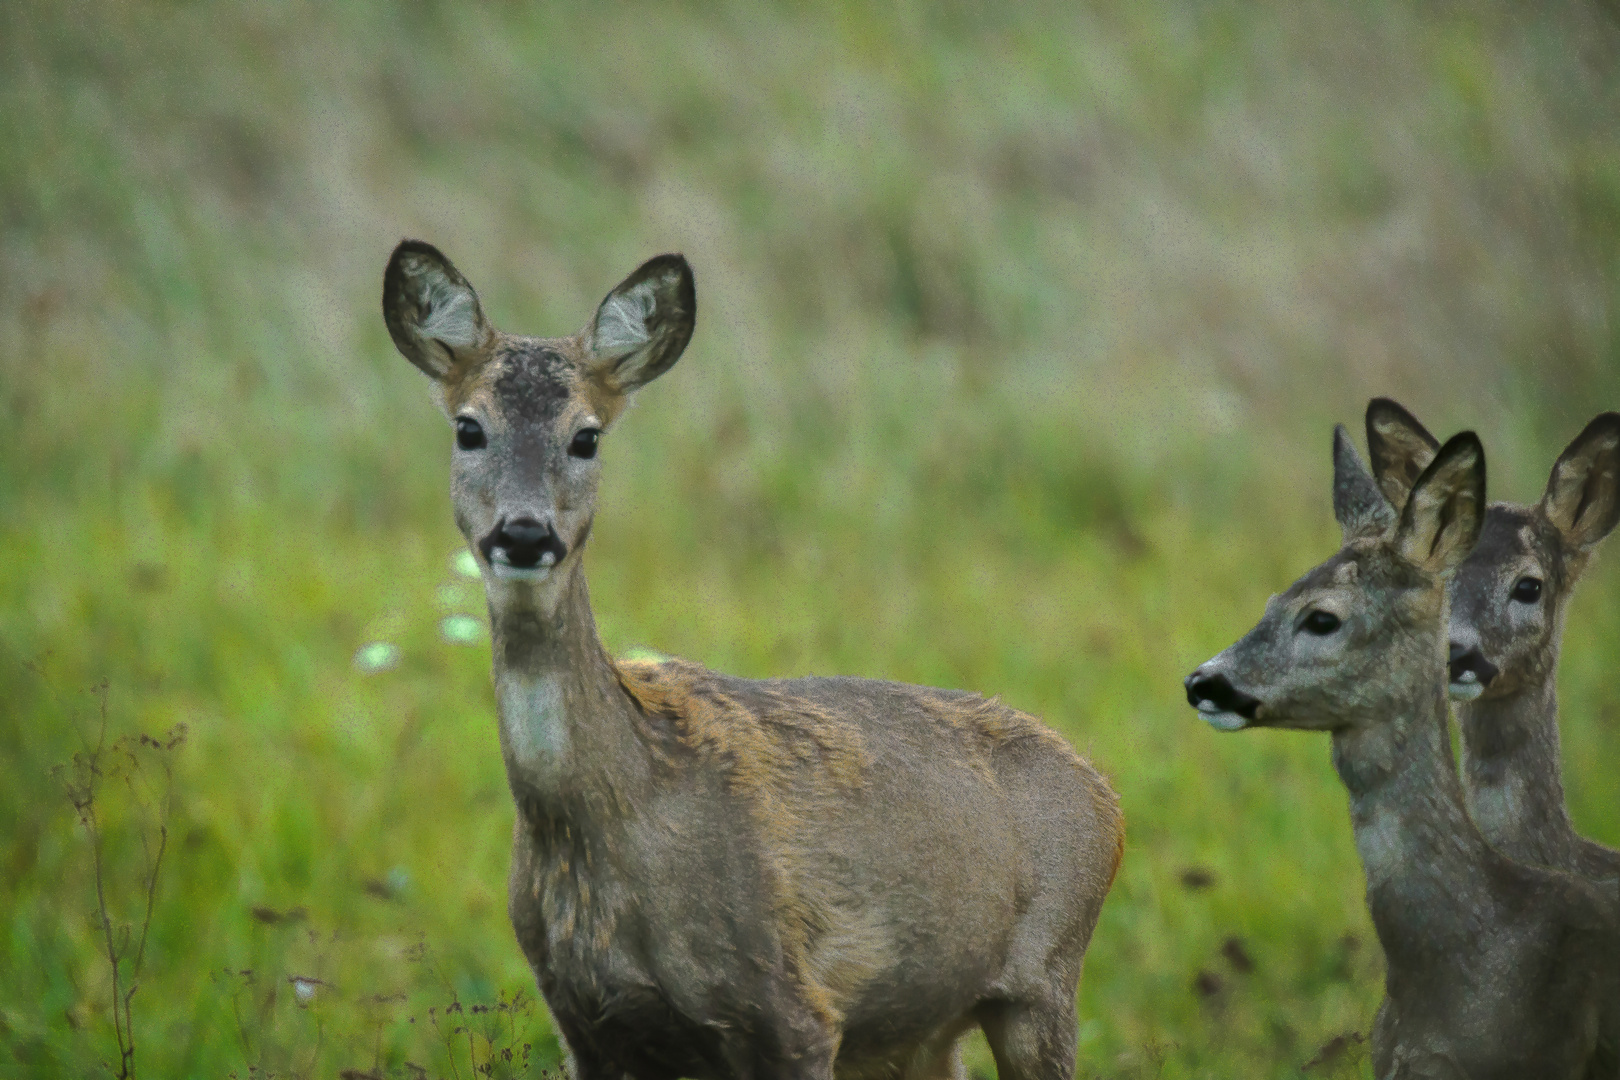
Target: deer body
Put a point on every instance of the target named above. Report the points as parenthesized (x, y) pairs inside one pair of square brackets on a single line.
[(1514, 783), (1508, 600), (718, 877), (1453, 917), (1494, 969)]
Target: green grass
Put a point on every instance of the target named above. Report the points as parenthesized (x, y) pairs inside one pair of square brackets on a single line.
[(1019, 338)]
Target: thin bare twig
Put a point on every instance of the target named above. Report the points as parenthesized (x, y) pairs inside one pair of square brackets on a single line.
[(83, 780)]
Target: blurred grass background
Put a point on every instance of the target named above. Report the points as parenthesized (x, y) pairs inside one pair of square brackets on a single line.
[(1021, 329)]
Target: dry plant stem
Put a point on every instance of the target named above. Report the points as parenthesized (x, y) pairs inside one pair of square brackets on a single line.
[(123, 1030), (126, 1048), (82, 790)]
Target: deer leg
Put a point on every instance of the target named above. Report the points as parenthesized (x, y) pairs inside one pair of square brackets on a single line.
[(747, 1064), (801, 1047), (585, 1064), (817, 1066), (939, 1063), (1031, 1040)]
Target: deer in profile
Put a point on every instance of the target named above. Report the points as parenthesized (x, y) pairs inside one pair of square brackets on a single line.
[(714, 877), (1508, 600), (1495, 969)]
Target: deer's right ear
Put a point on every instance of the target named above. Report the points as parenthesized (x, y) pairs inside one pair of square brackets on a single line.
[(1441, 522), (1583, 493), (433, 315), (1358, 506), (643, 325), (1400, 448)]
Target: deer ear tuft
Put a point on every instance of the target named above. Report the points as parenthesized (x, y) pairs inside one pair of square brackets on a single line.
[(643, 325)]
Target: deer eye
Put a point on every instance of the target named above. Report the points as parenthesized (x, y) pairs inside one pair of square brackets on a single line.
[(1527, 590), (584, 444), (1321, 623), (469, 435)]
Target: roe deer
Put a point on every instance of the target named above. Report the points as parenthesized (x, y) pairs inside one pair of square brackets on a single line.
[(714, 877), (1507, 613), (1494, 969)]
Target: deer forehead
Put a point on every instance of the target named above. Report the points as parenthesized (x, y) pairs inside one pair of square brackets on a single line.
[(1364, 567), (1514, 540), (532, 384), (1345, 570)]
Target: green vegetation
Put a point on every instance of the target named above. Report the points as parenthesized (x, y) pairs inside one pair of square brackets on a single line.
[(1019, 339)]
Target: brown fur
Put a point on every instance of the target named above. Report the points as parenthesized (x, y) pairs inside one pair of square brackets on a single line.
[(766, 752), (757, 748), (724, 878)]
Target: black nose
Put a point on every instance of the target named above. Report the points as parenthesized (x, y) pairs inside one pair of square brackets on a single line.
[(1226, 697), (523, 543), (1466, 658)]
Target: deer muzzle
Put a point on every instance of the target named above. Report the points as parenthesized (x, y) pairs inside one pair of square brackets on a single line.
[(1471, 673), (1221, 704), (522, 548)]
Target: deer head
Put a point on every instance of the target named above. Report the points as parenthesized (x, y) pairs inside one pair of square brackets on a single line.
[(529, 413)]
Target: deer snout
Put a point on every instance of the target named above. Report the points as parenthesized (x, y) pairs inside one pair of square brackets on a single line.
[(523, 544), (1471, 673), (1223, 705)]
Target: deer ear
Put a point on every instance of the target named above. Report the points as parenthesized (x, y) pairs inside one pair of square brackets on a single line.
[(643, 325), (1399, 447), (1359, 507), (1583, 493), (1441, 522), (433, 315)]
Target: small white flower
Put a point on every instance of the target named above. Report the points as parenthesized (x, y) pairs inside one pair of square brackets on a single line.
[(460, 629), (304, 988), (376, 656), (465, 564)]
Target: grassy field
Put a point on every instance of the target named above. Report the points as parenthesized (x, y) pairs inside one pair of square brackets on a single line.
[(1019, 341)]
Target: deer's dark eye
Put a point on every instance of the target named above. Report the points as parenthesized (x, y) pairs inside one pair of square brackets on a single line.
[(1527, 590), (1321, 623), (469, 435), (584, 444)]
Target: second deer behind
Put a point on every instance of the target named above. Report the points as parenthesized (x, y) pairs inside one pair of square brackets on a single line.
[(1508, 600)]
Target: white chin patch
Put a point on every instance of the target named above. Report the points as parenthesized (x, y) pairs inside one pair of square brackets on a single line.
[(1223, 721), (522, 573), (1466, 689), (507, 572), (1219, 718)]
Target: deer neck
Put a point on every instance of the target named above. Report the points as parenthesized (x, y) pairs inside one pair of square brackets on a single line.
[(567, 728), (1514, 782), (1417, 846)]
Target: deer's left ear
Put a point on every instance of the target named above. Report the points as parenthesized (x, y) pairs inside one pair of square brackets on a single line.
[(1400, 448), (1583, 493), (1441, 522), (643, 325)]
